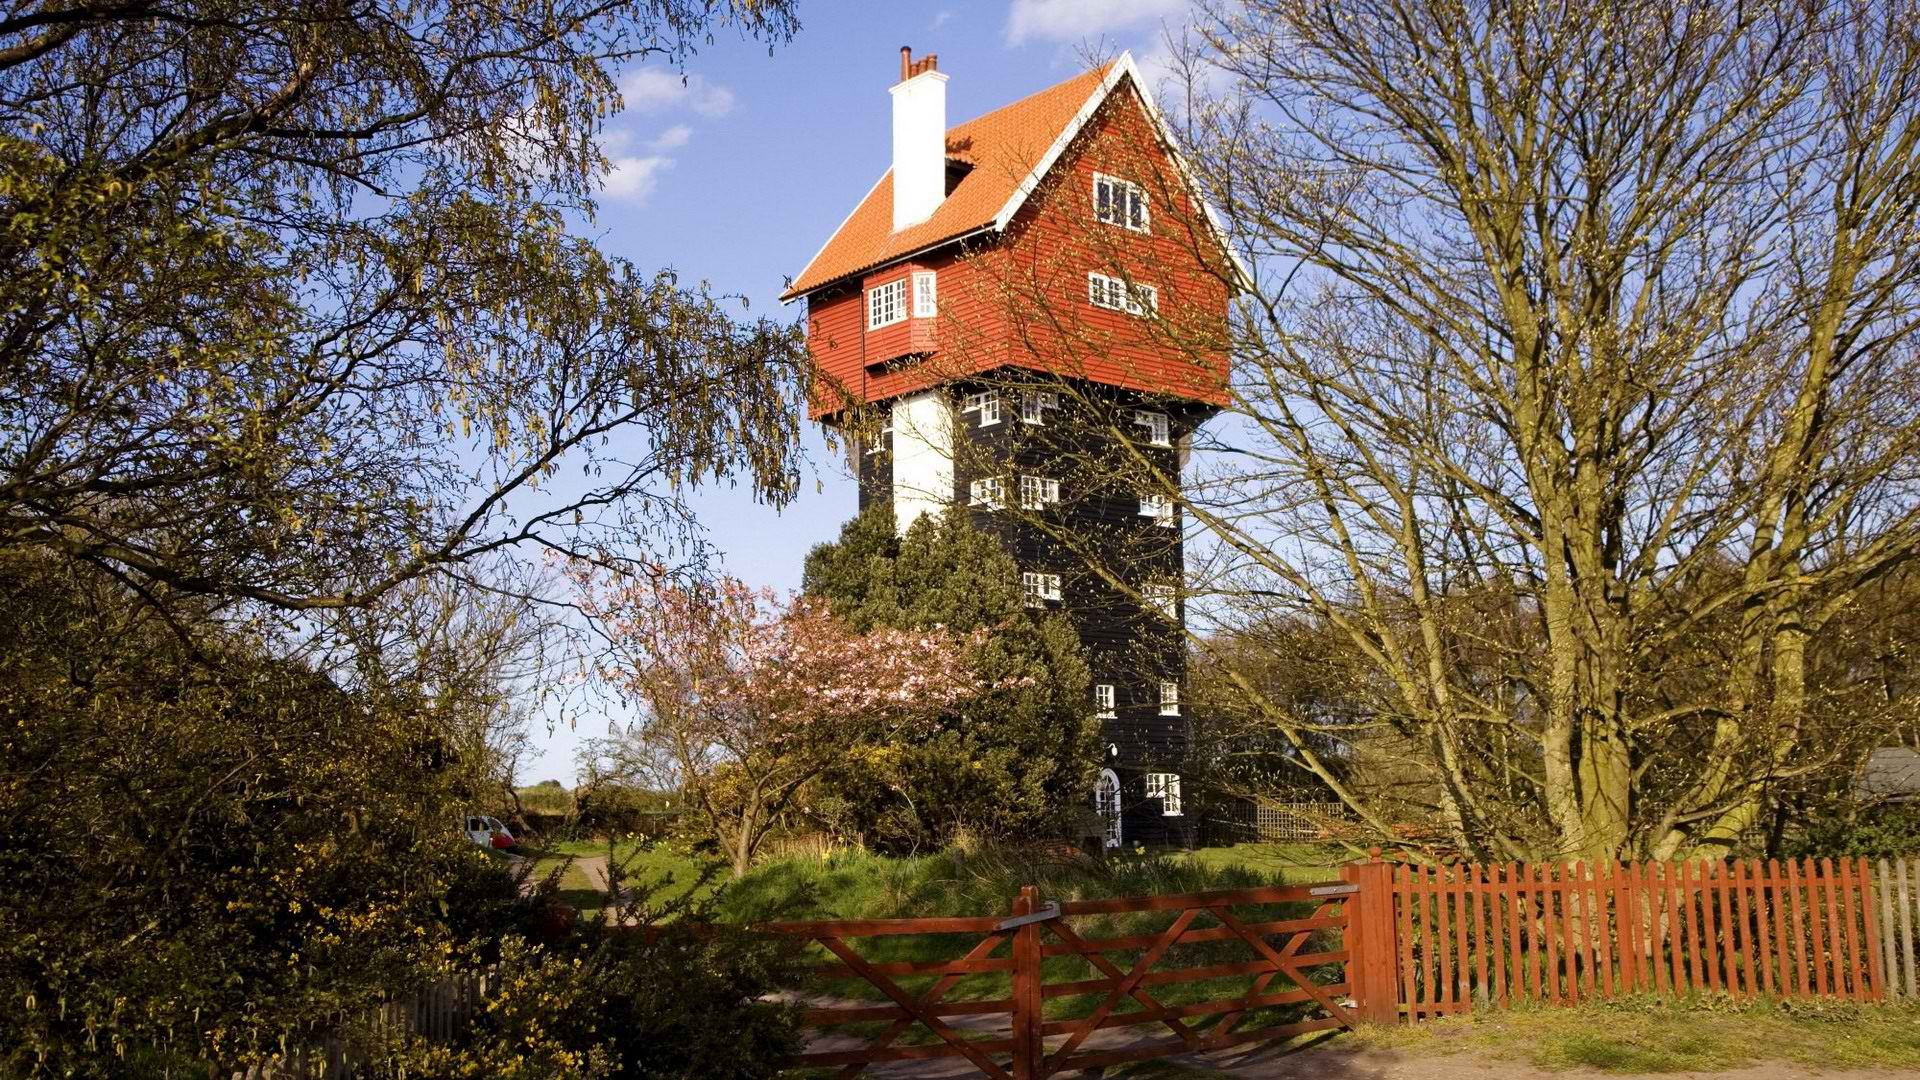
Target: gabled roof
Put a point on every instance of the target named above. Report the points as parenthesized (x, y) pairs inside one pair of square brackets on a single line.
[(1010, 150)]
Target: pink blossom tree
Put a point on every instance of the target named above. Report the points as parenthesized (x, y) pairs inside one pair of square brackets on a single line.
[(747, 696)]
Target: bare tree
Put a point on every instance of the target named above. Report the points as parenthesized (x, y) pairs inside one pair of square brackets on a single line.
[(1573, 389)]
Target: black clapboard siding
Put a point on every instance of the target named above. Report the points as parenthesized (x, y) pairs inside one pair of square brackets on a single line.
[(1128, 646)]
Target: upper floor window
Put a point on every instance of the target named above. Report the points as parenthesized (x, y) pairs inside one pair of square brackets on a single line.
[(1104, 703), (1034, 405), (879, 441), (1119, 202), (1165, 786), (1169, 699), (1114, 294), (987, 405), (1039, 588), (1161, 598), (1159, 429), (1159, 508), (926, 297), (990, 493), (886, 304), (1038, 492)]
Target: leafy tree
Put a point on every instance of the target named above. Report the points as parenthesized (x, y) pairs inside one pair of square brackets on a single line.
[(210, 848), (748, 698), (1015, 761), (289, 313)]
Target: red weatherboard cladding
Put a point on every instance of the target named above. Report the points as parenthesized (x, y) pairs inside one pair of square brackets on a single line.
[(1055, 239), (1051, 242), (849, 355)]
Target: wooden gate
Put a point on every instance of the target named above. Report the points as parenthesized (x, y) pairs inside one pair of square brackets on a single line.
[(1030, 995)]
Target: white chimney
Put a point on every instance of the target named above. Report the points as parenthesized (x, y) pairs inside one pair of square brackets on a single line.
[(919, 139)]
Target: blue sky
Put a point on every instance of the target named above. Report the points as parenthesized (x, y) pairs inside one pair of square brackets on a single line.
[(727, 176)]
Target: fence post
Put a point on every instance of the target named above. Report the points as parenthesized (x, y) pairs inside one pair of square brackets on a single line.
[(1373, 974), (1029, 1050)]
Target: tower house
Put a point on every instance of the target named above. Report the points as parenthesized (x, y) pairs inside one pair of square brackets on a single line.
[(1019, 307)]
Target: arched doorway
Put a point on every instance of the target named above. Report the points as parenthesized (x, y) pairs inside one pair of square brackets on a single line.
[(1106, 801)]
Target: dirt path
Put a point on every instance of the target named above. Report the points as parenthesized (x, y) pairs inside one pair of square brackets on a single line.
[(595, 867), (1334, 1060), (1342, 1063)]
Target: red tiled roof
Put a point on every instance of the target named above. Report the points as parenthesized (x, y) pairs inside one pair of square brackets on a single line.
[(1003, 147)]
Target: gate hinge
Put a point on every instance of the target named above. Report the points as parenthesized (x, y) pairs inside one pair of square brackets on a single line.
[(1333, 890)]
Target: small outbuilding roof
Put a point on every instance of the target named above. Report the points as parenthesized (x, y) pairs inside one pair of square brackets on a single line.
[(1892, 772)]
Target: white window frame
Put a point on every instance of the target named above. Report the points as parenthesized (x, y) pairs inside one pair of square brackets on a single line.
[(926, 294), (1162, 598), (1039, 587), (1038, 492), (986, 403), (1159, 508), (1106, 702), (1159, 426), (887, 304), (1169, 698), (879, 441), (1034, 405), (1115, 294), (1165, 786), (1121, 203), (989, 491)]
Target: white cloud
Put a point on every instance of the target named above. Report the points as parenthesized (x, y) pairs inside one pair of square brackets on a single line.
[(1072, 20), (942, 19), (657, 90), (632, 178), (673, 138), (633, 174)]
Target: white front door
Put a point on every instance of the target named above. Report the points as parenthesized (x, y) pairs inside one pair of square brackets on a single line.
[(1106, 800)]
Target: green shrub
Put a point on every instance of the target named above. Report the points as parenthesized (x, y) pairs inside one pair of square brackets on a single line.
[(1879, 832), (630, 996), (1017, 761), (209, 848)]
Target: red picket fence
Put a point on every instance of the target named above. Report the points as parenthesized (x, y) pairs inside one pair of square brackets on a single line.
[(1477, 936)]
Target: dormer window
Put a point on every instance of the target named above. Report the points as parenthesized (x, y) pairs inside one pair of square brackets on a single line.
[(926, 299), (1119, 202), (1158, 431), (886, 304), (1115, 294)]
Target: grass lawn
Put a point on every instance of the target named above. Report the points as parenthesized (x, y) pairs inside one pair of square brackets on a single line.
[(1292, 863), (1641, 1035)]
